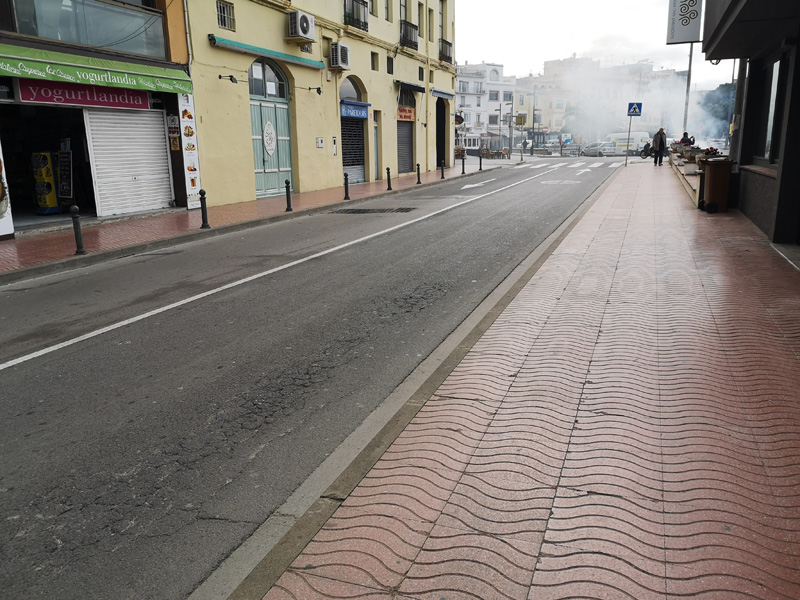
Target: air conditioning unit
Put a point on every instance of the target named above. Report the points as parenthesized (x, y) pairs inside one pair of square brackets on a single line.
[(301, 27), (340, 56)]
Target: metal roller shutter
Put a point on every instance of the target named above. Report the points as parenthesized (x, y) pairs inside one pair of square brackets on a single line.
[(130, 160), (405, 146), (353, 149)]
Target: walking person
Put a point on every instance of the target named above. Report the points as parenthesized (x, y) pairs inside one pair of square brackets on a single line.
[(659, 147)]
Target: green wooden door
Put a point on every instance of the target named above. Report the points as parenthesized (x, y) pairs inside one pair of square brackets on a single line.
[(272, 146)]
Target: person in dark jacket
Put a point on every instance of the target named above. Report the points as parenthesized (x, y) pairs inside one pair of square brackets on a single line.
[(659, 147), (687, 140)]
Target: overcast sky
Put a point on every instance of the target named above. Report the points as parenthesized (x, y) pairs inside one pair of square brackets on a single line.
[(522, 34)]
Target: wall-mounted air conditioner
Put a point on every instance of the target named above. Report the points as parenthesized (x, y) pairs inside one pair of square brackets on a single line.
[(340, 56), (301, 27)]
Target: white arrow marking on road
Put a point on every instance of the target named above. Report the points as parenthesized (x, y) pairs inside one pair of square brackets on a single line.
[(472, 185), (583, 171)]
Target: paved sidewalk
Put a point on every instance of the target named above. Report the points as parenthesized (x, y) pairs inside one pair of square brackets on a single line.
[(627, 428), (38, 252)]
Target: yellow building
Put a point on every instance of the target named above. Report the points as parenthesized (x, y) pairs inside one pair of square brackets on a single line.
[(308, 91)]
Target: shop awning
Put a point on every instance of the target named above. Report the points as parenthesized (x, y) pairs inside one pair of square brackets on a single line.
[(412, 87), (32, 63), (219, 42), (442, 94)]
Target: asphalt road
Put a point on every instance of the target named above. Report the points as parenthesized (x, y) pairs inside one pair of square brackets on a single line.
[(151, 421)]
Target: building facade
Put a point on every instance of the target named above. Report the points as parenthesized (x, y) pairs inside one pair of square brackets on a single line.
[(485, 98), (766, 121), (86, 92), (307, 92)]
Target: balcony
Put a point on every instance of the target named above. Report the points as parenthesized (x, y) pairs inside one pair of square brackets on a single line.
[(97, 24), (356, 14), (445, 51), (409, 35)]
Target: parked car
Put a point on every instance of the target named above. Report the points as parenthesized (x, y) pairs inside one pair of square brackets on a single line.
[(589, 147), (605, 149)]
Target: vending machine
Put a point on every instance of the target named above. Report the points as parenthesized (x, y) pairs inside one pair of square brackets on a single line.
[(45, 183)]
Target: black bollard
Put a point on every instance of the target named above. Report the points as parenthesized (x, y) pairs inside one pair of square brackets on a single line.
[(346, 186), (204, 210), (76, 225), (520, 155), (442, 169), (418, 179), (480, 162), (463, 160), (388, 178), (288, 196)]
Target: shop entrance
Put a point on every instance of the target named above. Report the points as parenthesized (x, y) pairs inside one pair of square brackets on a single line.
[(28, 131)]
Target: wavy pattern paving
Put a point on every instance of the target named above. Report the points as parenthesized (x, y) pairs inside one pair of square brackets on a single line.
[(629, 427)]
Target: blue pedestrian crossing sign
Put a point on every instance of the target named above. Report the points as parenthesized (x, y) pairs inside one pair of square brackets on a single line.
[(634, 109)]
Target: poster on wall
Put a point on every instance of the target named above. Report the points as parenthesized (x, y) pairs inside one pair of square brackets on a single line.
[(44, 178), (191, 164), (6, 224)]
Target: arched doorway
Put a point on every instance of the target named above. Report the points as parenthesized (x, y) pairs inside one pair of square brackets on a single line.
[(270, 128), (354, 117), (406, 117), (442, 127)]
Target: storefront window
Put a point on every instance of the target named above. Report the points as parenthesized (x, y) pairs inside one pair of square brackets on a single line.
[(93, 23), (349, 91), (765, 148), (265, 81)]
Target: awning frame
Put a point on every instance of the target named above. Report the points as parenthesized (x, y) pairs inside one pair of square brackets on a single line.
[(220, 42), (410, 86), (34, 63)]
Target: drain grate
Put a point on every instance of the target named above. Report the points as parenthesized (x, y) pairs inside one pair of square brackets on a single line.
[(369, 211)]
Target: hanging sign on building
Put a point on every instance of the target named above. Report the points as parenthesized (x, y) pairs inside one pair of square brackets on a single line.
[(75, 94), (683, 25), (354, 110), (406, 113)]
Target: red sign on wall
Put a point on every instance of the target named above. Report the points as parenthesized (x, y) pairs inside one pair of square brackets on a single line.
[(406, 113), (76, 94)]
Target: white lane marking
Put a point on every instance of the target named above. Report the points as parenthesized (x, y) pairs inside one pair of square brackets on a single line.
[(576, 165), (233, 284), (473, 185), (595, 165), (538, 166), (615, 165), (557, 165), (583, 171)]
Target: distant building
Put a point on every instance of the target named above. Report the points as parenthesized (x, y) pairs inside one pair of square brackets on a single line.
[(485, 99)]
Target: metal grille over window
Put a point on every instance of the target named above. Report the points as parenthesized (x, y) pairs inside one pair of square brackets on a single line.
[(356, 13), (225, 18)]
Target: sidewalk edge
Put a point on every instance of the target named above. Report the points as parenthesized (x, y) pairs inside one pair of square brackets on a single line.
[(284, 535)]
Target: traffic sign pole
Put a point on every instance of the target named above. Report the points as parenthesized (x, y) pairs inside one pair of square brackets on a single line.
[(634, 110), (630, 122)]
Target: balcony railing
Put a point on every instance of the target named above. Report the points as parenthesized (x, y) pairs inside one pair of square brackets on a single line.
[(445, 51), (409, 35), (356, 13), (97, 24)]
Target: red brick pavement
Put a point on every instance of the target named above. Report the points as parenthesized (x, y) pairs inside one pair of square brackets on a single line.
[(627, 428)]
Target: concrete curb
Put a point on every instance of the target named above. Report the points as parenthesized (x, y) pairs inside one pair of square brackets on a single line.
[(251, 570)]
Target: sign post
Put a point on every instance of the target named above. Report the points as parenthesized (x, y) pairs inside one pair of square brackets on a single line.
[(634, 110)]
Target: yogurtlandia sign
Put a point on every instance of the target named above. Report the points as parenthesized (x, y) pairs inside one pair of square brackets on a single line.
[(30, 63)]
